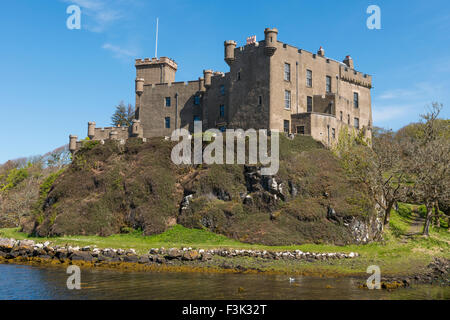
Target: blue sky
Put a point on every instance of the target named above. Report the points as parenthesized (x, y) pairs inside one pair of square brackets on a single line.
[(54, 80)]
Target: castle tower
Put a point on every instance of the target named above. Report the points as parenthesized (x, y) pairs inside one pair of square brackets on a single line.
[(155, 71), (270, 41), (91, 130), (73, 143), (207, 74)]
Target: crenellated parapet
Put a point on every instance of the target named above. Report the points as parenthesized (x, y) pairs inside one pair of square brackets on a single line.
[(355, 77), (154, 61)]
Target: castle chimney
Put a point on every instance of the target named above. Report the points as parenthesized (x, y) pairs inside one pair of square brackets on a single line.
[(207, 74), (349, 62), (91, 130), (270, 41), (321, 52), (230, 45)]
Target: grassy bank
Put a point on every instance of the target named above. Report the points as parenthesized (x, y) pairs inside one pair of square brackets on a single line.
[(400, 253)]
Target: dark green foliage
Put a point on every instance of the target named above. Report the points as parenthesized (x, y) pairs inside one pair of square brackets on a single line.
[(123, 116)]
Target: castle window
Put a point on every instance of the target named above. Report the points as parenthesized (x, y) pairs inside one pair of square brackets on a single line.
[(309, 78), (222, 90), (333, 133), (356, 123), (222, 111), (167, 101), (309, 102), (167, 122), (286, 126), (341, 115), (259, 100), (328, 84), (239, 75), (196, 118), (196, 100), (287, 72), (355, 99), (301, 129), (223, 129), (287, 99)]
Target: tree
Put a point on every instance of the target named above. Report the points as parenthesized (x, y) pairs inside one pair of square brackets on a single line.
[(389, 176), (58, 157), (123, 116), (429, 162), (380, 169)]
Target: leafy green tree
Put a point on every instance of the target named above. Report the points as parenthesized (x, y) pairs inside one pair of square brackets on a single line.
[(428, 158), (123, 116)]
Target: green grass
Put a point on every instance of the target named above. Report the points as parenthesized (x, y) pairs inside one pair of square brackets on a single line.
[(394, 255)]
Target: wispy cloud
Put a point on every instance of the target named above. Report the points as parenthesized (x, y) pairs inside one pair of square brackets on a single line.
[(389, 112), (118, 51)]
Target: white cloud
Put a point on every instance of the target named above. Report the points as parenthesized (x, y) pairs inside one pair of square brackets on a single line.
[(386, 113), (118, 51)]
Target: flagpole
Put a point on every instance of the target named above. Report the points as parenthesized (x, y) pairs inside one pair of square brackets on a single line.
[(156, 46)]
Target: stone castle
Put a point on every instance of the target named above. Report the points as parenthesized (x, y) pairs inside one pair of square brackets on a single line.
[(270, 85)]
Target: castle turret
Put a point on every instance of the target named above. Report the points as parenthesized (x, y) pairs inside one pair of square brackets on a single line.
[(136, 128), (91, 130), (201, 84), (139, 86), (73, 143), (349, 62), (113, 135), (270, 41), (139, 89), (207, 74), (230, 45)]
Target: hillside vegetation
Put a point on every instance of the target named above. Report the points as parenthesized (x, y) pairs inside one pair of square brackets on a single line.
[(110, 189)]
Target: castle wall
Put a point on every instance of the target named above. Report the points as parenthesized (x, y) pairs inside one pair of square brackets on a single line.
[(104, 133), (154, 110), (248, 83)]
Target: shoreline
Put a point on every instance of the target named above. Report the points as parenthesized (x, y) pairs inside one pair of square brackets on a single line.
[(27, 252)]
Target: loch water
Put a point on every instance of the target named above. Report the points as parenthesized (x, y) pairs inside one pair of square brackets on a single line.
[(30, 282)]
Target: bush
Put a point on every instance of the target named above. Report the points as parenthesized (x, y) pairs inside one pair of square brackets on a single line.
[(14, 177)]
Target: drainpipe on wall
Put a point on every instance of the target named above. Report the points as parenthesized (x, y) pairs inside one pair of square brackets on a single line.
[(328, 129), (296, 80), (176, 110)]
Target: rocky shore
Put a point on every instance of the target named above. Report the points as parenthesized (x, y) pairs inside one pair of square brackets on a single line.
[(12, 249), (436, 273)]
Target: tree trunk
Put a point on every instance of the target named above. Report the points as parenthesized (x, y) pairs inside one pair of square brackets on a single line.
[(387, 213), (426, 227), (436, 215)]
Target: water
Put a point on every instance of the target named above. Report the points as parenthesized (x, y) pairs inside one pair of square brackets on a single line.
[(28, 282)]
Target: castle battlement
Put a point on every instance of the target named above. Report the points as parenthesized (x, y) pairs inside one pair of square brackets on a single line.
[(155, 61)]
